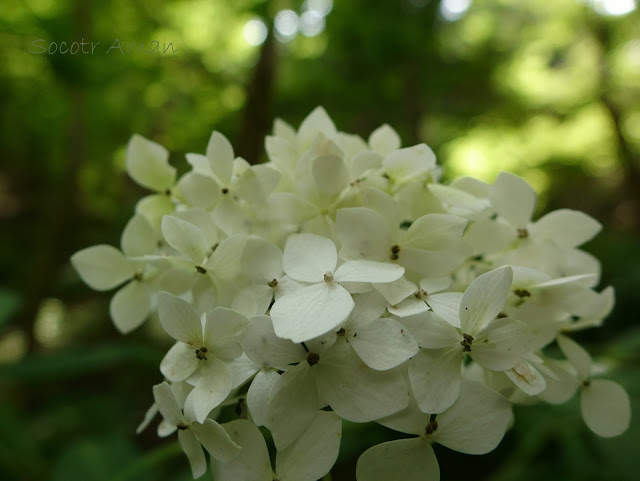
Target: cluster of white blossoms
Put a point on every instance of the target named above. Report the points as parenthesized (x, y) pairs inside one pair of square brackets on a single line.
[(342, 280)]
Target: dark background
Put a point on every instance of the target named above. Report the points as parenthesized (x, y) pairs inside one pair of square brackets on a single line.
[(547, 90)]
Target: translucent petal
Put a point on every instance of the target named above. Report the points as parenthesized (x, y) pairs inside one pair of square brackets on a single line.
[(382, 343), (577, 356), (433, 263), (179, 319), (252, 464), (224, 263), (477, 421), (484, 299), (310, 312), (406, 459), (154, 207), (263, 347), (368, 307), (431, 331), (487, 236), (167, 404), (224, 326), (435, 232), (185, 237), (527, 378), (199, 190), (281, 153), (409, 163), (409, 307), (215, 440), (220, 155), (364, 161), (293, 403), (179, 363), (330, 174), (130, 306), (314, 453), (447, 306), (501, 344), (261, 260), (561, 386), (566, 227), (148, 417), (396, 291), (434, 284), (102, 267), (231, 217), (213, 387), (307, 257), (368, 271), (318, 121), (513, 198), (606, 408), (291, 208), (148, 164), (242, 369), (355, 391), (363, 234), (383, 204), (193, 450), (435, 378), (257, 396), (384, 140), (138, 237)]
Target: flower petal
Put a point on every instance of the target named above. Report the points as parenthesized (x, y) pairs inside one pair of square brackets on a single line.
[(215, 440), (102, 267), (193, 450), (179, 319), (263, 347), (224, 326), (179, 363), (577, 356), (382, 343), (148, 164), (406, 459), (167, 404), (310, 312), (330, 173), (185, 237), (513, 198), (261, 260), (138, 237), (566, 227), (314, 453), (484, 299), (384, 140), (363, 234), (213, 387), (307, 257), (257, 396), (220, 155), (130, 306), (447, 306), (368, 271), (501, 344), (606, 408), (435, 378)]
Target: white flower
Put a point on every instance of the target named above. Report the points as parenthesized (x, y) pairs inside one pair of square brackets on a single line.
[(201, 351), (322, 306), (192, 435)]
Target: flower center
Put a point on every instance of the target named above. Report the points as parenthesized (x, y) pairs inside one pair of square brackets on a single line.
[(313, 358), (273, 283), (202, 353), (328, 276), (523, 233), (395, 251), (466, 342)]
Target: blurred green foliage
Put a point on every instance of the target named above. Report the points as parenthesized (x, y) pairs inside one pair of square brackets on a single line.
[(547, 90)]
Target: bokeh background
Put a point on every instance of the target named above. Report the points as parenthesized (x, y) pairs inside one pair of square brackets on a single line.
[(549, 90)]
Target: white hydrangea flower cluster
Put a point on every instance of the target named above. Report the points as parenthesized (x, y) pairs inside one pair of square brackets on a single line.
[(342, 280)]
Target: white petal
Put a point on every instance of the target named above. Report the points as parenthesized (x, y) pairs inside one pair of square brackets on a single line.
[(434, 284), (293, 403), (384, 140), (179, 319), (213, 387), (231, 217), (148, 417), (561, 386), (409, 163), (102, 267), (382, 343), (606, 408), (383, 204), (435, 378), (434, 263), (314, 453), (261, 260), (252, 464), (220, 155), (130, 306), (566, 227), (404, 459), (199, 190), (501, 344), (179, 363), (318, 121), (513, 198), (205, 294), (484, 299), (363, 234), (185, 237), (242, 369), (167, 404), (281, 152), (355, 391), (396, 291), (369, 306), (257, 396), (154, 207), (364, 161), (527, 378), (330, 174), (249, 188), (193, 450), (291, 208), (215, 440), (476, 423), (431, 331), (368, 271), (263, 347), (447, 306), (225, 260), (148, 164), (577, 356), (224, 326), (310, 312), (307, 257), (138, 237), (435, 232)]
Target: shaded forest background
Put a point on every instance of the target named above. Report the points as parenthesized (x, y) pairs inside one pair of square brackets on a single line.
[(547, 90)]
